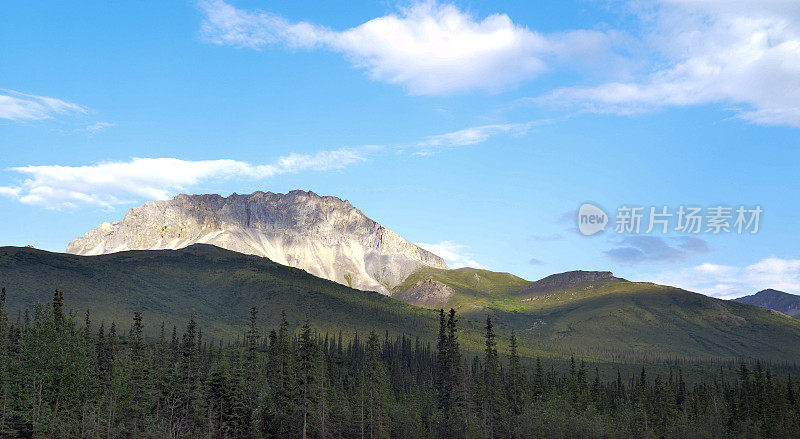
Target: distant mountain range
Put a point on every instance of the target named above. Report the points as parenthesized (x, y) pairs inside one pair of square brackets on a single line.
[(786, 303), (218, 256)]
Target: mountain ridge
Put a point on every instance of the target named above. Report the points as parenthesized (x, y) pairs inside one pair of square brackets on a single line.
[(324, 235), (569, 279), (602, 320), (769, 298)]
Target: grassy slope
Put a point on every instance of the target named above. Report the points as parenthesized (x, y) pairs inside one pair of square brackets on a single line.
[(474, 288), (621, 319)]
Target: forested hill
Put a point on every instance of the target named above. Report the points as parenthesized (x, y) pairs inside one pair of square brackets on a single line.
[(606, 320), (219, 286)]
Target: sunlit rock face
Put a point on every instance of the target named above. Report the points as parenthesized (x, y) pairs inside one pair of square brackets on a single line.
[(325, 236)]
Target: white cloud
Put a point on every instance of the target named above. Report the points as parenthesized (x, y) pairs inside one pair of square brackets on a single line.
[(452, 253), (18, 106), (742, 54), (98, 126), (9, 191), (727, 281), (475, 135), (107, 184), (428, 48)]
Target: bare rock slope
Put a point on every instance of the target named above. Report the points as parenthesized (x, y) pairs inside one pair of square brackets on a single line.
[(325, 236), (427, 293)]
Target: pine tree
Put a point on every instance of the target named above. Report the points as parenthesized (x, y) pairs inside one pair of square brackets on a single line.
[(252, 342), (111, 351), (306, 378), (58, 308), (538, 379), (376, 391), (442, 361), (515, 387), (491, 386), (189, 375), (87, 328), (139, 406), (449, 386), (281, 383)]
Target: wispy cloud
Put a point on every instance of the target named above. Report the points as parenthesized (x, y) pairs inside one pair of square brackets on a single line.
[(475, 135), (18, 106), (744, 55), (97, 127), (471, 136), (454, 254), (638, 249), (429, 48), (106, 184), (727, 281)]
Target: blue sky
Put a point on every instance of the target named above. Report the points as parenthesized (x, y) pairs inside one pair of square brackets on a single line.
[(475, 128)]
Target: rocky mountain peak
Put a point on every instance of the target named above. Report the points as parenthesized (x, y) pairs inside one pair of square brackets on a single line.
[(324, 235)]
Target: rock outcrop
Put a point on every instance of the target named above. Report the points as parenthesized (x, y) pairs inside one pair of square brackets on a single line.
[(325, 236), (427, 293)]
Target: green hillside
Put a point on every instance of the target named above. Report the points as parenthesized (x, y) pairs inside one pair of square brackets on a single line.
[(613, 319), (605, 321), (218, 285), (474, 287)]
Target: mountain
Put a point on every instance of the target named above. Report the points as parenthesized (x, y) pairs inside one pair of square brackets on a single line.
[(640, 319), (218, 285), (606, 320), (569, 279), (597, 314), (325, 236), (786, 303), (474, 288), (463, 288)]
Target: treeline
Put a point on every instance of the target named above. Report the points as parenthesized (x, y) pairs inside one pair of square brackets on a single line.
[(62, 379)]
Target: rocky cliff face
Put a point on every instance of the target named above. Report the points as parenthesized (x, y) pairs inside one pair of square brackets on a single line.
[(325, 236)]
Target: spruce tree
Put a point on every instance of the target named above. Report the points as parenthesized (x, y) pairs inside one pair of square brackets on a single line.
[(377, 388), (515, 389), (139, 405), (188, 375), (306, 393), (491, 386)]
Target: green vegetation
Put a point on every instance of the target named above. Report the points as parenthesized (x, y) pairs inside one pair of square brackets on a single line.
[(608, 321), (633, 322), (474, 288), (217, 285), (62, 379)]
